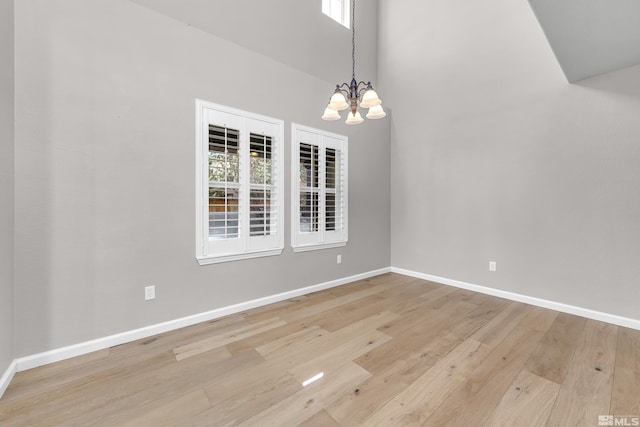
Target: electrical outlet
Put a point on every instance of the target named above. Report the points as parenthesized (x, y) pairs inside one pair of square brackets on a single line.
[(492, 266), (339, 259), (149, 292)]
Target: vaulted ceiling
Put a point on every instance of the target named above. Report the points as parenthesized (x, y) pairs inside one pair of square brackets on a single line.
[(588, 37), (591, 37)]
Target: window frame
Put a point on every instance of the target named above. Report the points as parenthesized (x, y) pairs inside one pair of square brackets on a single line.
[(322, 238), (216, 250), (329, 9)]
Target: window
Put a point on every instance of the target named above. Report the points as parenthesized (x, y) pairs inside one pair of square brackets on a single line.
[(338, 10), (239, 184), (319, 189)]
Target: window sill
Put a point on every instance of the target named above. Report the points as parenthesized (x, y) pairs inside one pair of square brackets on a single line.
[(217, 259), (318, 246)]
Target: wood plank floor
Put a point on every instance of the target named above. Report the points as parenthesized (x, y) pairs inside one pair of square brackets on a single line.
[(386, 351)]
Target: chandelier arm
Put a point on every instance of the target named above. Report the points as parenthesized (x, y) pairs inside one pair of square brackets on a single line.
[(367, 85), (346, 91)]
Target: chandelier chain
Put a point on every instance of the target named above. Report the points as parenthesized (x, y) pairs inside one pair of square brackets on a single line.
[(353, 39)]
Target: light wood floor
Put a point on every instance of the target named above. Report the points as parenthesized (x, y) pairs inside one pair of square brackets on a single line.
[(393, 351)]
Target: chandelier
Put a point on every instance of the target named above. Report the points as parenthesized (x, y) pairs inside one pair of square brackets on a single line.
[(347, 95)]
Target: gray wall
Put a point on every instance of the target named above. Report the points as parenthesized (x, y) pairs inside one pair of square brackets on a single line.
[(105, 178), (6, 184), (495, 157), (289, 31)]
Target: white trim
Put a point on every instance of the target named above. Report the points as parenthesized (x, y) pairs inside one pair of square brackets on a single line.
[(313, 247), (553, 305), (7, 377), (56, 355), (216, 259)]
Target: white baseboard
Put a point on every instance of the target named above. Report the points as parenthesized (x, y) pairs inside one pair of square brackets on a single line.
[(558, 306), (33, 361), (7, 377)]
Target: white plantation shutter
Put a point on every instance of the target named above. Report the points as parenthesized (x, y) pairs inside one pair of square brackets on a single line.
[(319, 189), (263, 201), (239, 184), (224, 182), (335, 202), (265, 186), (309, 187)]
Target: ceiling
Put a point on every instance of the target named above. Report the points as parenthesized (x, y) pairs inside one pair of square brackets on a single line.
[(591, 37), (588, 37)]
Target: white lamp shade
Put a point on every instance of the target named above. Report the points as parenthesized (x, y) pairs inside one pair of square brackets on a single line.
[(354, 119), (376, 112), (338, 102), (370, 99), (330, 114)]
